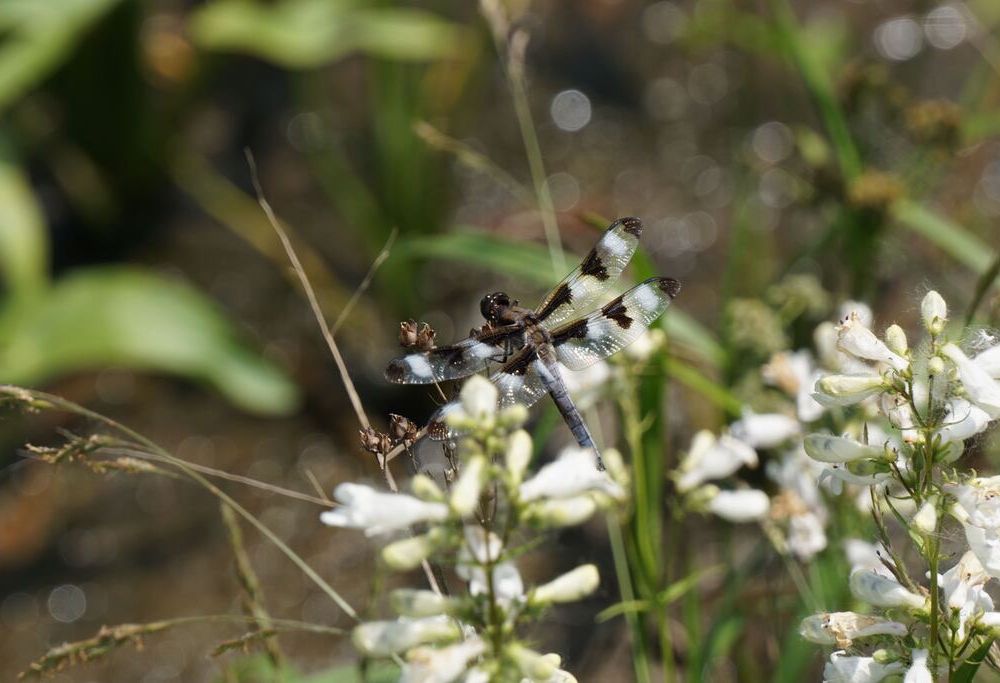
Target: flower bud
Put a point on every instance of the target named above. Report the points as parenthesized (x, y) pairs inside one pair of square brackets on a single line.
[(408, 553), (895, 339), (934, 312), (834, 449), (570, 587), (513, 416), (935, 365), (845, 390), (425, 488), (465, 492), (479, 398), (561, 512), (518, 454), (925, 520), (409, 602), (533, 665), (384, 638)]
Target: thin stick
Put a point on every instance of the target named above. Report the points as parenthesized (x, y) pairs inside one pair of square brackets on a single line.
[(352, 393), (316, 485), (365, 282), (41, 399), (238, 478)]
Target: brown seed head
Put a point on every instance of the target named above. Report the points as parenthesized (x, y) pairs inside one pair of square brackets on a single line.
[(425, 338), (408, 334), (375, 441)]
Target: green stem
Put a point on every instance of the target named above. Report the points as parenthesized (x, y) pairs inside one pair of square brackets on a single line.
[(640, 658)]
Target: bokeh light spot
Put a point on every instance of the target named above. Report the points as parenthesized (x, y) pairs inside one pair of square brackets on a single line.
[(67, 603), (898, 39), (570, 110), (945, 27)]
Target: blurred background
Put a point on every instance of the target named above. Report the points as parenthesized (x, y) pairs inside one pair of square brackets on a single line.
[(784, 157)]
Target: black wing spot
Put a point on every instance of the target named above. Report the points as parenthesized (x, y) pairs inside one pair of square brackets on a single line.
[(631, 224), (520, 364), (395, 373), (594, 266), (617, 311), (562, 295), (669, 285), (577, 330)]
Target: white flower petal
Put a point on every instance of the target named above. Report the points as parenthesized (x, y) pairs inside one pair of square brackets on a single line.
[(981, 389), (366, 508), (834, 449), (572, 473), (383, 638), (845, 669), (765, 430), (440, 665), (918, 671), (859, 341), (712, 458), (744, 505), (882, 591)]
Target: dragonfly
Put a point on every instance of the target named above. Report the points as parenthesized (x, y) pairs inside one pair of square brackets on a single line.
[(528, 346)]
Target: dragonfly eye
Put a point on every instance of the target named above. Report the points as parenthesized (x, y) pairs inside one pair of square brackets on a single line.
[(493, 305)]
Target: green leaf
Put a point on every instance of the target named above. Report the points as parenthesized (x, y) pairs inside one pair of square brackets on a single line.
[(38, 37), (531, 262), (23, 235), (666, 597), (951, 238), (126, 317), (302, 34), (967, 672)]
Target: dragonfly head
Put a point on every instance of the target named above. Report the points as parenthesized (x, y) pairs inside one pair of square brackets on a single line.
[(494, 307)]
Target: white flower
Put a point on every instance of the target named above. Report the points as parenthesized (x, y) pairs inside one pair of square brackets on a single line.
[(377, 512), (859, 341), (572, 473), (479, 397), (978, 509), (806, 535), (918, 671), (882, 591), (713, 458), (476, 675), (648, 343), (989, 361), (846, 390), (518, 454), (743, 505), (840, 628), (844, 669), (837, 474), (570, 587), (965, 592), (559, 512), (981, 389), (383, 638), (481, 549), (864, 555), (862, 312), (926, 518), (934, 312), (440, 665), (765, 430), (828, 448), (407, 553), (796, 374), (465, 491), (962, 420), (533, 665), (410, 602), (585, 385)]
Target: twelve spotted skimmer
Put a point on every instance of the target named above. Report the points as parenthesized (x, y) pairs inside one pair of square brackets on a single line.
[(529, 344)]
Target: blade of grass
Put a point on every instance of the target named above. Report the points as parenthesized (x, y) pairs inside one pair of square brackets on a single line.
[(940, 231), (983, 286)]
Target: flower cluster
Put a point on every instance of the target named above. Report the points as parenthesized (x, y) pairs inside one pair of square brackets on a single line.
[(917, 406), (478, 526)]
